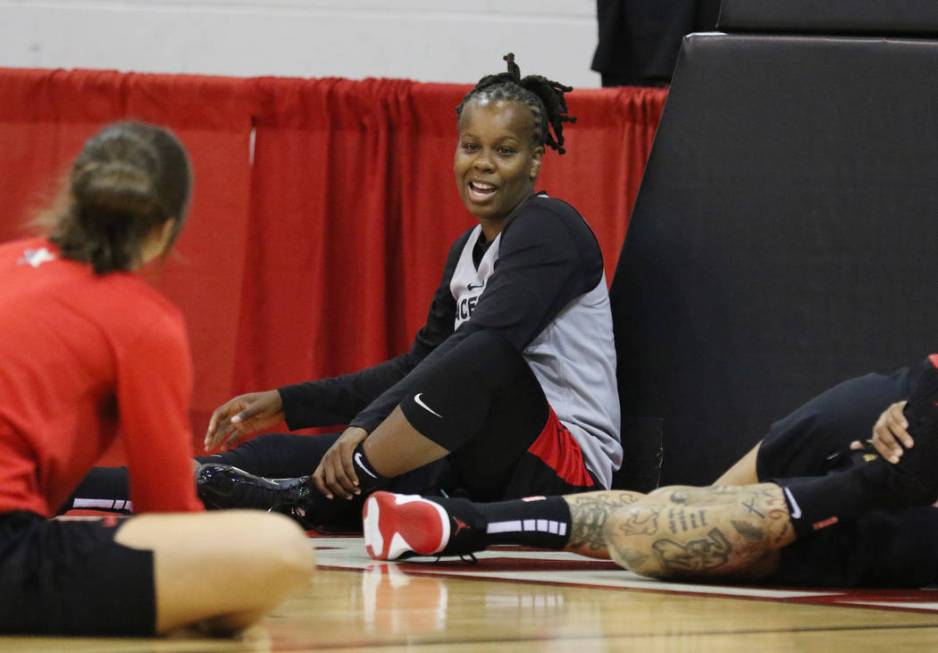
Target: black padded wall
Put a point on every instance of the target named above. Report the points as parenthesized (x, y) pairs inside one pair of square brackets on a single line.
[(830, 16), (783, 239)]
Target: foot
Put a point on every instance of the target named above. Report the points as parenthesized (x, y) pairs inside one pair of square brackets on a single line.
[(224, 486), (405, 525)]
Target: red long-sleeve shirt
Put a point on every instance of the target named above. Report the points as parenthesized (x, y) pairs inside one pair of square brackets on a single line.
[(83, 358)]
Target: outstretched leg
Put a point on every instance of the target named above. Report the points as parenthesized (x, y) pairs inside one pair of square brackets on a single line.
[(220, 571), (399, 526), (273, 455), (589, 514), (690, 532), (671, 532)]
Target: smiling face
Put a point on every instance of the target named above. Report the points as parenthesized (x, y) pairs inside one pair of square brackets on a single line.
[(497, 160)]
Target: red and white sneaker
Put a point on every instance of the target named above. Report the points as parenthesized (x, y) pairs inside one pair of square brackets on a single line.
[(405, 525)]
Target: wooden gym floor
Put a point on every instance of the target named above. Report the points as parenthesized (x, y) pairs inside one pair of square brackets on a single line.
[(517, 600)]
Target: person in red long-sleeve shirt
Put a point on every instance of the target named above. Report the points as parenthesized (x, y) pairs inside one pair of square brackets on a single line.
[(90, 353)]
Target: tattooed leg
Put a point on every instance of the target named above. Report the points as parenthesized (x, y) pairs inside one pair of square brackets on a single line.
[(690, 532), (589, 513)]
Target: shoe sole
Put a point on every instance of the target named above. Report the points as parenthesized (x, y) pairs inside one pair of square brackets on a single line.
[(397, 524)]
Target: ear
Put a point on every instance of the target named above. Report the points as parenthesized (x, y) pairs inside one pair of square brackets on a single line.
[(536, 160), (163, 235), (167, 231)]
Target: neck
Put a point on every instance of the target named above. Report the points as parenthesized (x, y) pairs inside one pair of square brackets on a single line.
[(491, 227), (155, 243)]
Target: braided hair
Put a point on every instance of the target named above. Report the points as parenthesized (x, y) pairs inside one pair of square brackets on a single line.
[(544, 97)]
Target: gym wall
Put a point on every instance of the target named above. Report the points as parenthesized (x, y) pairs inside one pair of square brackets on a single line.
[(424, 40)]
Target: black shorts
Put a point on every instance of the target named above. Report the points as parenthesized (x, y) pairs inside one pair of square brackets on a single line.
[(885, 549), (552, 465), (72, 578), (482, 402), (812, 440)]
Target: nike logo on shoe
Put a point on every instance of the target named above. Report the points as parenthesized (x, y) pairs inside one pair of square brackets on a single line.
[(420, 403)]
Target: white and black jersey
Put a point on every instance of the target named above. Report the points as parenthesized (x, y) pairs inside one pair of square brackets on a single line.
[(540, 284)]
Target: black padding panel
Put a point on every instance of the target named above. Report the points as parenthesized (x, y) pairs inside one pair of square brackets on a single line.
[(785, 237), (909, 17)]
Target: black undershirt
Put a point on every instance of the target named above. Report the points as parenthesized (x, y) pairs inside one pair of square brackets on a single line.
[(479, 250)]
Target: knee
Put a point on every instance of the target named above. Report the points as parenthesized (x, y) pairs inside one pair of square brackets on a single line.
[(296, 554), (282, 544), (637, 536)]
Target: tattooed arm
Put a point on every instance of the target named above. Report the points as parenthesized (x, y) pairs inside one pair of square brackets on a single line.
[(688, 532), (589, 513)]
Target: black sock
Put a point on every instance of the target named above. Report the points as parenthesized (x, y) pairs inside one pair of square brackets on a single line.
[(535, 521), (368, 479), (104, 488), (817, 502)]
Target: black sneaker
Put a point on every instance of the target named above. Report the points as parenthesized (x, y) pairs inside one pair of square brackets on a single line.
[(224, 486), (405, 525)]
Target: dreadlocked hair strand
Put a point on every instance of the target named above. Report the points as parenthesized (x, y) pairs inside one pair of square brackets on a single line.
[(544, 97)]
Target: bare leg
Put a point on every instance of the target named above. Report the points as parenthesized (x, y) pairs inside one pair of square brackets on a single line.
[(395, 447), (589, 513), (689, 532), (220, 571), (743, 472)]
